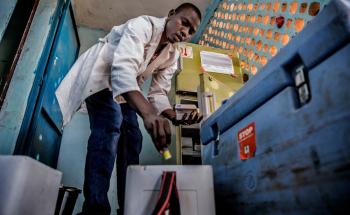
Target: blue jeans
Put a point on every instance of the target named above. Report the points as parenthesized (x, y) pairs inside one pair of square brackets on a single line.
[(114, 130)]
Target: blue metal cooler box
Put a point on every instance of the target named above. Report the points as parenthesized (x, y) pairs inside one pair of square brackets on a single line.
[(282, 143)]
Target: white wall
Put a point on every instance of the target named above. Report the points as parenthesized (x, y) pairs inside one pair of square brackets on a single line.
[(105, 14)]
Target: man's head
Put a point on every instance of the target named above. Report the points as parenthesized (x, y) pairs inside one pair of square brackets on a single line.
[(182, 23)]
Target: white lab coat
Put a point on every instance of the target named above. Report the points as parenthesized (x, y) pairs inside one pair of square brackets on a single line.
[(120, 62)]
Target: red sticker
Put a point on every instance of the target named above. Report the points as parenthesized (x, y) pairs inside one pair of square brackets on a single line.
[(246, 141)]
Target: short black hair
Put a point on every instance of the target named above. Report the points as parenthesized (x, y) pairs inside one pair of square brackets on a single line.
[(189, 6)]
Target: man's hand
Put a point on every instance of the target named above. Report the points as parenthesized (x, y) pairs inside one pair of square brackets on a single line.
[(157, 126), (159, 129), (187, 119)]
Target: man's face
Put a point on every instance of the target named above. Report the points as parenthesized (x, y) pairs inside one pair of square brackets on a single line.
[(182, 26)]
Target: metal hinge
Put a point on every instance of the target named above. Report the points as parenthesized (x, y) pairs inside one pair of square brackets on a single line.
[(302, 85), (41, 82)]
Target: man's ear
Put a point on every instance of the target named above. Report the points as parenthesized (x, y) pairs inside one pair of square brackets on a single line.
[(171, 12)]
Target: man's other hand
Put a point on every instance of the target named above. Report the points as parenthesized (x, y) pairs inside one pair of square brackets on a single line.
[(187, 119)]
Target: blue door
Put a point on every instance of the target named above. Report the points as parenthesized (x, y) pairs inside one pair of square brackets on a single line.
[(44, 135)]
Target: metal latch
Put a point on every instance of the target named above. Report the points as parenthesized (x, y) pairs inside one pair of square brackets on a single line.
[(209, 106), (302, 85)]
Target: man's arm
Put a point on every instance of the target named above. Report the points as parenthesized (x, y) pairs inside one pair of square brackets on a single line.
[(158, 127), (157, 95)]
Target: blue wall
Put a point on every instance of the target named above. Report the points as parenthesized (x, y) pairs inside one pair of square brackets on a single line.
[(6, 10), (18, 94)]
